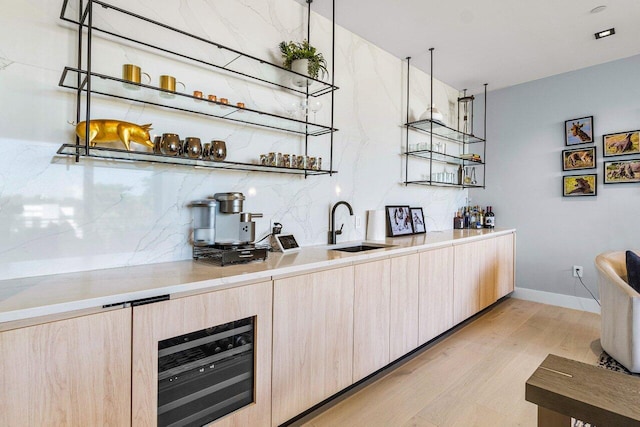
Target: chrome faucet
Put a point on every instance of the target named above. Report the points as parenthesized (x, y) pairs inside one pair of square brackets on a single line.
[(333, 232)]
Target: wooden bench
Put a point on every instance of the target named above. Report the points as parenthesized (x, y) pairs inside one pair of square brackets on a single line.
[(564, 388)]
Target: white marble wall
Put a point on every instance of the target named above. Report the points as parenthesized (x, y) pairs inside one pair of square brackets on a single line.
[(59, 216)]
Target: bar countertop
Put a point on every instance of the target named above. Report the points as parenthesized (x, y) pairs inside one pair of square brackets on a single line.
[(35, 297)]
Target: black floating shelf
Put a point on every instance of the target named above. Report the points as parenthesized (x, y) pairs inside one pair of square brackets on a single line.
[(215, 54), (106, 153), (114, 87), (443, 158), (440, 130), (442, 184)]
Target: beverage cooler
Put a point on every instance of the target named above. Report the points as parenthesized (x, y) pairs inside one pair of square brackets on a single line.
[(206, 374)]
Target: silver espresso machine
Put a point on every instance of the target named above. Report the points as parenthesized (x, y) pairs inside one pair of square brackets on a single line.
[(223, 232)]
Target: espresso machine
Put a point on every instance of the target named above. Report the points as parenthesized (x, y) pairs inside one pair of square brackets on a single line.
[(222, 232)]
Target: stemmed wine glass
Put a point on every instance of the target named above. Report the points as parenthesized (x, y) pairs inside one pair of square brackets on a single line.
[(315, 105)]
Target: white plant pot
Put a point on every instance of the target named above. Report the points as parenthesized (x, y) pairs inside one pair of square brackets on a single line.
[(301, 66)]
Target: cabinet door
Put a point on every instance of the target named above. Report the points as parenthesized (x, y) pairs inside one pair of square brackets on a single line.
[(466, 281), (74, 372), (403, 324), (487, 260), (436, 293), (505, 254), (155, 322), (371, 317), (312, 339)]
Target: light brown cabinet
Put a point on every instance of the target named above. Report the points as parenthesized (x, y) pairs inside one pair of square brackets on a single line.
[(466, 280), (155, 322), (435, 293), (371, 317), (483, 273), (506, 256), (486, 259), (403, 305), (316, 334), (72, 372), (312, 339)]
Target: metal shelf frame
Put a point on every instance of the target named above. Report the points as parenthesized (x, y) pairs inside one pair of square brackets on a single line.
[(433, 128), (107, 153), (87, 84)]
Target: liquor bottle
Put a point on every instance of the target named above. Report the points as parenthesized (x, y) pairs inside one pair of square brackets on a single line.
[(458, 220), (473, 217), (490, 220), (466, 217), (480, 222), (460, 175)]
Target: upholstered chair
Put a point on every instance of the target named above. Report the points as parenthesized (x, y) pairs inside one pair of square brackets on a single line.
[(620, 310)]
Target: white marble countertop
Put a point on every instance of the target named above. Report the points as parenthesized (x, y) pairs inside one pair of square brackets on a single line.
[(33, 297)]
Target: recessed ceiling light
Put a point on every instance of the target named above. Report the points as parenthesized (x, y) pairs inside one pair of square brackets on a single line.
[(605, 33), (598, 9)]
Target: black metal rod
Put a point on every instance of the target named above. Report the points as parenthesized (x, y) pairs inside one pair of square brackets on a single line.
[(406, 157), (306, 96), (431, 116), (79, 78), (484, 154), (87, 116), (333, 78)]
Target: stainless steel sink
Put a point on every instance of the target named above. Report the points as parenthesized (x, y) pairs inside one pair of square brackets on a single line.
[(361, 248)]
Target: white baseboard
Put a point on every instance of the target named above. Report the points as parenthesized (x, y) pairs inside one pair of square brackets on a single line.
[(567, 301)]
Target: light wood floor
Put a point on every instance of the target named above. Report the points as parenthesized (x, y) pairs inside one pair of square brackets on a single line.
[(475, 376)]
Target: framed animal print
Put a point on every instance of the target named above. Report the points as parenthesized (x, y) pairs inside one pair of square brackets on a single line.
[(417, 218), (398, 221), (578, 158), (622, 172), (621, 143), (579, 185), (578, 131)]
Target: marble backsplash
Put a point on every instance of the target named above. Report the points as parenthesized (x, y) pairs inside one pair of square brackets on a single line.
[(57, 215)]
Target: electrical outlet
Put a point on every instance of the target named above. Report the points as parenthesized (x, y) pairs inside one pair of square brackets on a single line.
[(577, 271), (358, 221)]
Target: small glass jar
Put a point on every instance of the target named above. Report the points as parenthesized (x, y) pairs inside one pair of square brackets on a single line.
[(271, 159), (301, 162)]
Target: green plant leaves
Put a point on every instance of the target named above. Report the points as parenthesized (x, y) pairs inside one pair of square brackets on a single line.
[(292, 50)]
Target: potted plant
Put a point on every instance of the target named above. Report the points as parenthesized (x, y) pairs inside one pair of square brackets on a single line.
[(303, 59)]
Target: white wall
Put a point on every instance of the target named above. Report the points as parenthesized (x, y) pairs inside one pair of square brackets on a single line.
[(57, 215), (524, 173)]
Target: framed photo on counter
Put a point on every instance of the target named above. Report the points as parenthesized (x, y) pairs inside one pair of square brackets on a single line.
[(417, 218), (578, 131), (398, 221)]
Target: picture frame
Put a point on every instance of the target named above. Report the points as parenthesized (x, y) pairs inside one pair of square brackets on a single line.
[(579, 158), (417, 219), (621, 143), (398, 220), (579, 185), (622, 171), (578, 131)]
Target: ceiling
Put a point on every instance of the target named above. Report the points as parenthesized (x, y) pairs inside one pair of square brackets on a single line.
[(500, 42)]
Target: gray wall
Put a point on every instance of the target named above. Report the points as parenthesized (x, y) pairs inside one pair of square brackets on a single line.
[(524, 173)]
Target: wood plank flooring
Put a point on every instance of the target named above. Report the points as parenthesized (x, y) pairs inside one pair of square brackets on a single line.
[(473, 377)]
